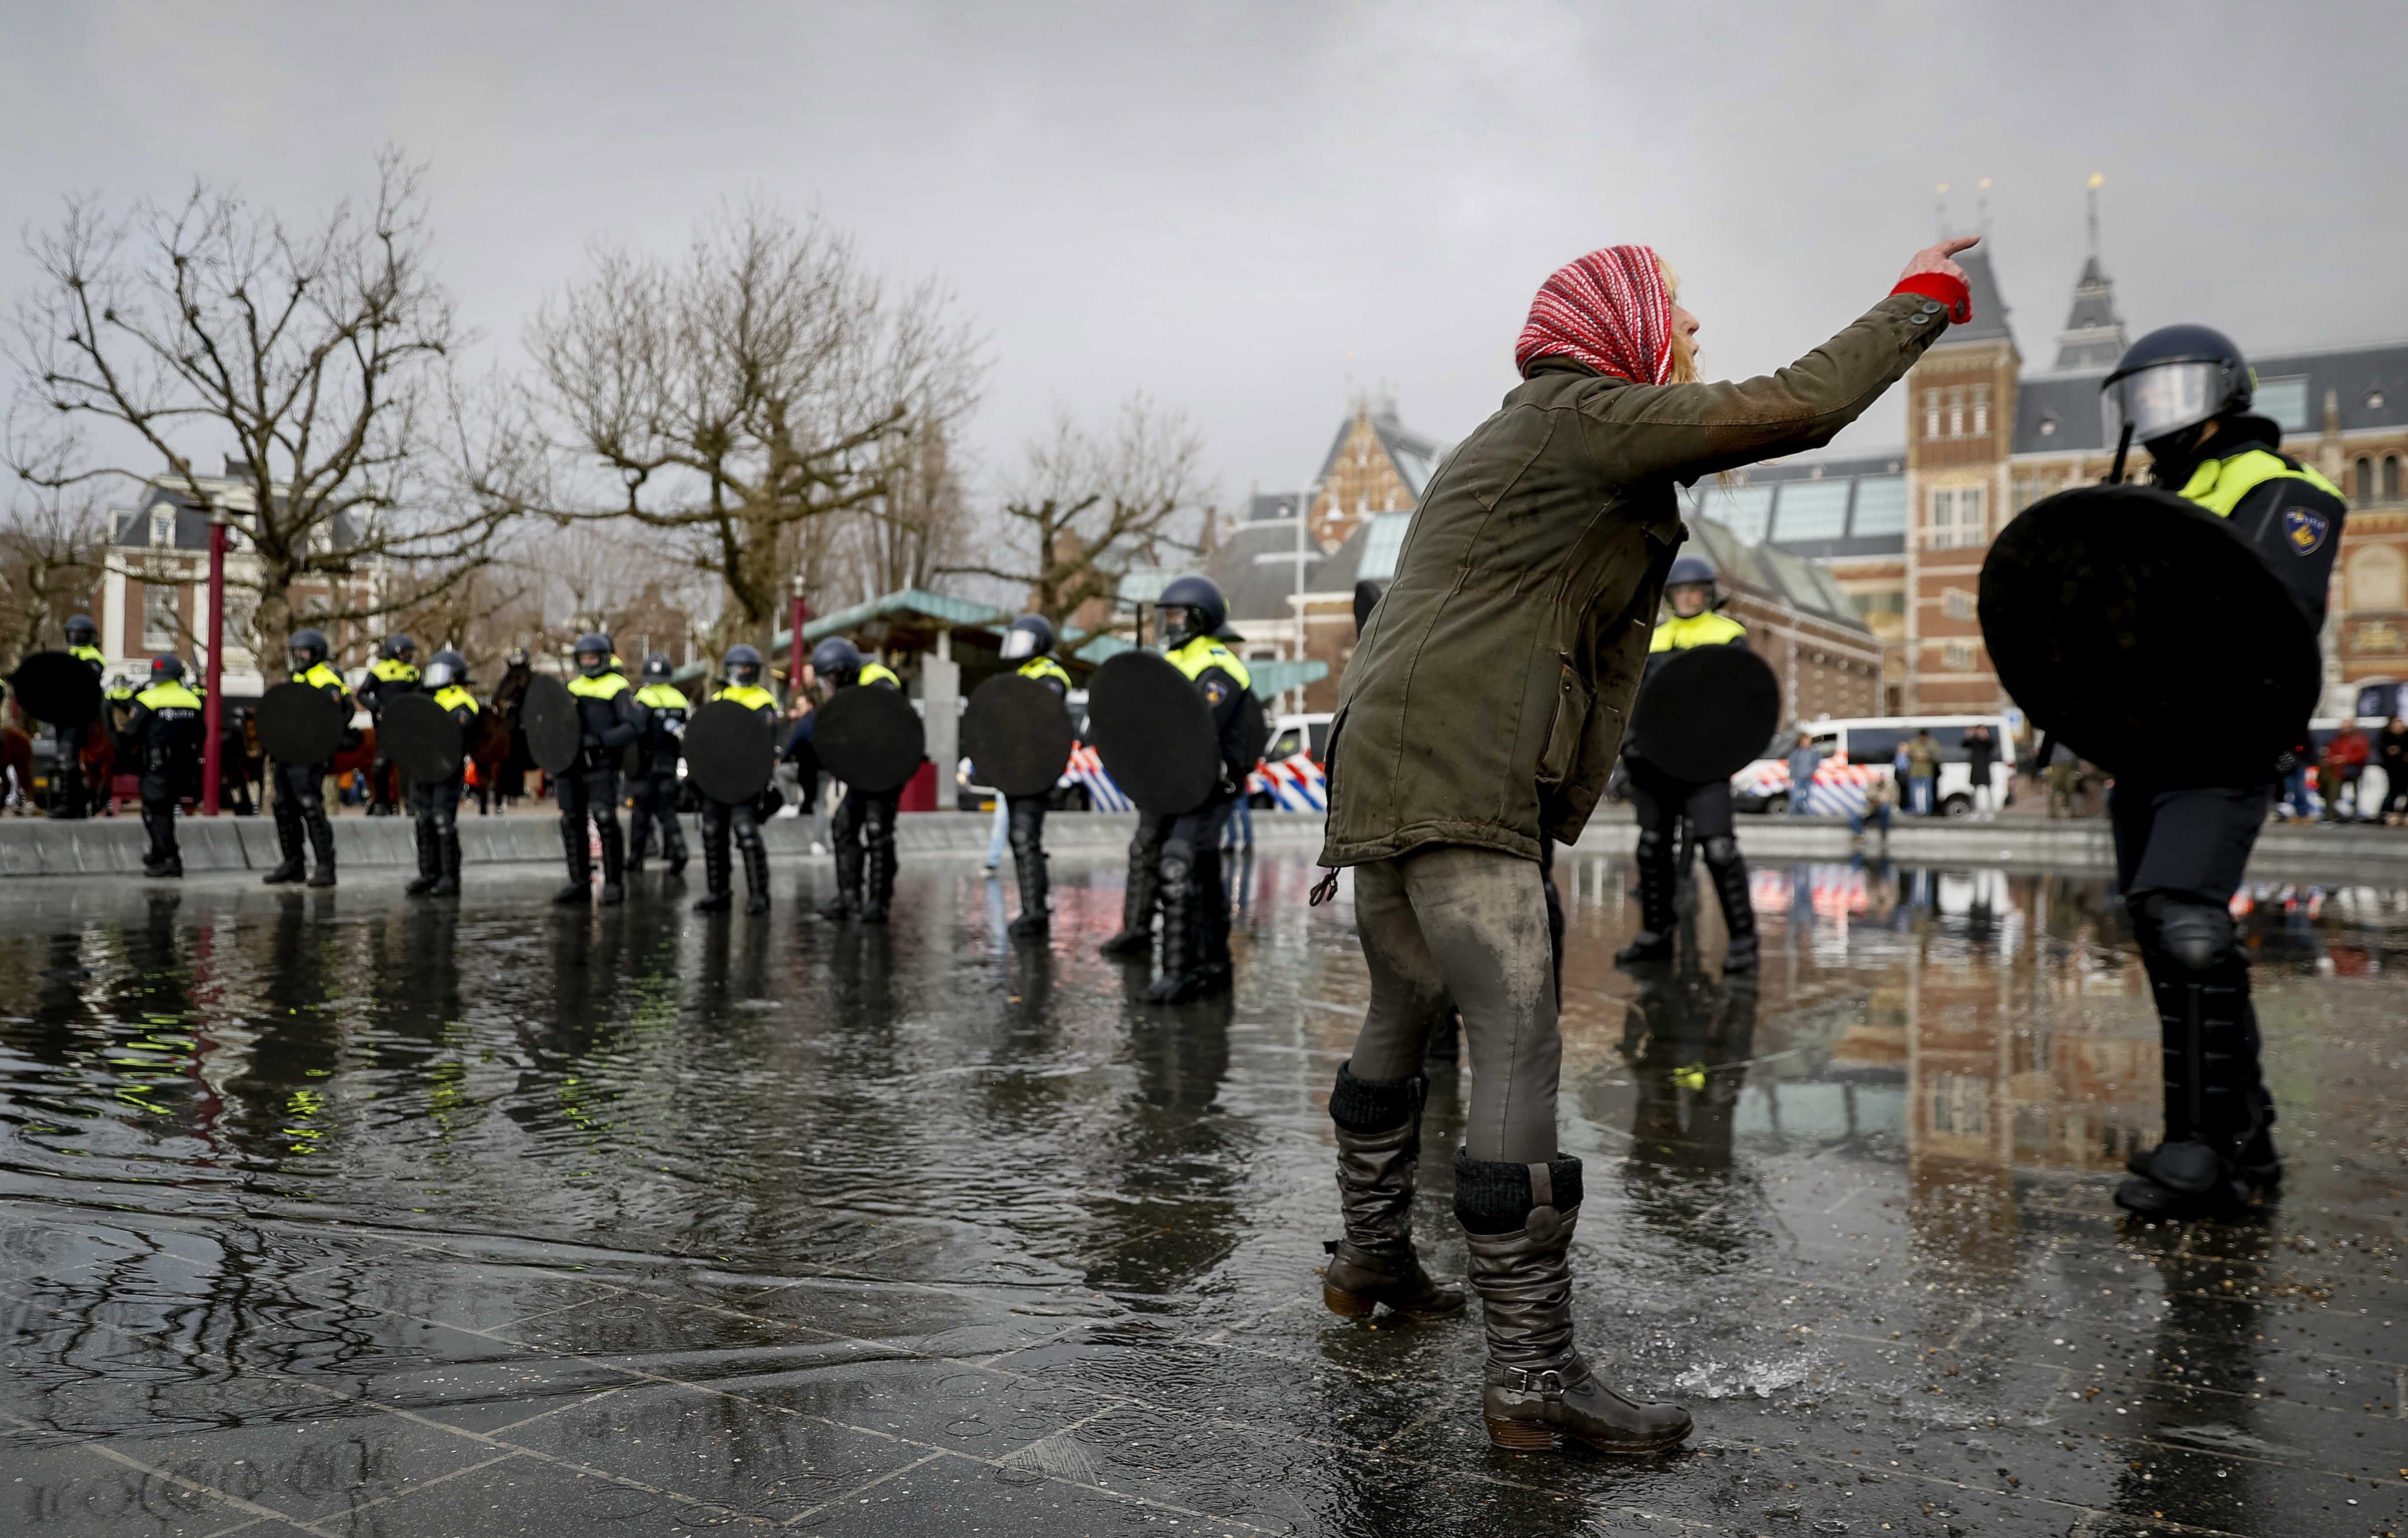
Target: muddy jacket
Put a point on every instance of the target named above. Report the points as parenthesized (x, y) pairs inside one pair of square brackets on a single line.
[(1485, 701)]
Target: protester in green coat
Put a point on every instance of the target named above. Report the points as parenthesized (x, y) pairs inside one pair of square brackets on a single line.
[(1482, 712)]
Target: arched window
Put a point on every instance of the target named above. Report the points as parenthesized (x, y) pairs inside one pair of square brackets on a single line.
[(2364, 479), (2377, 580), (2391, 478)]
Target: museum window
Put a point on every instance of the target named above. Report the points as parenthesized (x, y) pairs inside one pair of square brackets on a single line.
[(1956, 604), (1955, 413), (158, 617), (2391, 478), (1956, 657), (1956, 518), (1931, 413), (162, 530), (2361, 479), (1981, 409)]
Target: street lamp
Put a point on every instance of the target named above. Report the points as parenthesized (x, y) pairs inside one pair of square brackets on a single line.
[(794, 643), (213, 707)]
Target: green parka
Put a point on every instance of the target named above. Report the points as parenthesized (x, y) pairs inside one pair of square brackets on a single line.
[(1485, 701)]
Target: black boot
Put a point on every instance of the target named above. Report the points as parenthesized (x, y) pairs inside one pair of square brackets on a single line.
[(672, 841), (718, 876), (756, 876), (574, 850), (321, 846), (1730, 872), (430, 858), (1657, 917), (288, 839), (1138, 902), (1181, 977), (1212, 919), (878, 891), (614, 863), (1379, 1154), (847, 902), (2218, 1153), (446, 884), (639, 839), (1028, 863), (1536, 1384)]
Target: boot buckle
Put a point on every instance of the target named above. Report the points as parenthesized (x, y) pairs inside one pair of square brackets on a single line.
[(1547, 1383)]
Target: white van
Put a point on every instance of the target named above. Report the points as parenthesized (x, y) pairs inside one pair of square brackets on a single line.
[(1860, 749)]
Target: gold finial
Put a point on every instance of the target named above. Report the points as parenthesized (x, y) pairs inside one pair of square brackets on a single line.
[(2097, 180)]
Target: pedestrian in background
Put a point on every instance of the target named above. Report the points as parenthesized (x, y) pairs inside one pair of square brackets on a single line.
[(1804, 764), (2064, 770), (1922, 772), (1879, 794), (2344, 765), (2391, 752), (2296, 806), (1981, 758)]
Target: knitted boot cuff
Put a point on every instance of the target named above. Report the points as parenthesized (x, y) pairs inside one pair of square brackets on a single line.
[(1494, 1197), (1374, 1105)]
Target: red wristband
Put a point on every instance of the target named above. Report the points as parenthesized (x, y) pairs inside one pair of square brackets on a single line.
[(1948, 291)]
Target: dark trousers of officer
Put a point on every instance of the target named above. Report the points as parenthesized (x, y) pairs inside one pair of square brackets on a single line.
[(863, 829), (655, 798), (1025, 816), (1194, 905), (1454, 922), (591, 791), (2179, 859), (380, 778), (158, 819), (70, 798), (436, 807), (300, 805), (1661, 802), (723, 823)]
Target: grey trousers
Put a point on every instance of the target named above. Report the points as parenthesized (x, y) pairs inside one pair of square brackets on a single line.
[(1471, 925)]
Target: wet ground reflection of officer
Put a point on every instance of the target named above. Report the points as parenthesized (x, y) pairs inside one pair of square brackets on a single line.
[(160, 737), (1689, 1040)]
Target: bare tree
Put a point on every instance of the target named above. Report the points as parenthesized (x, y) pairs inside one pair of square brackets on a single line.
[(765, 382), (320, 356), (50, 553), (1091, 504), (919, 526)]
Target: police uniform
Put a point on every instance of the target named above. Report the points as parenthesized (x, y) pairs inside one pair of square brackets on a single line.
[(609, 720), (390, 677), (437, 805), (163, 735), (739, 820), (654, 793), (1661, 800), (2181, 850), (863, 829), (73, 797), (1024, 815), (300, 804)]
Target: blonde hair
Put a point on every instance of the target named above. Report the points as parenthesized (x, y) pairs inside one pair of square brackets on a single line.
[(1685, 351)]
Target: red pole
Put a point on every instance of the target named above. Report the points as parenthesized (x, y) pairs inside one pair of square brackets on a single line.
[(795, 655), (214, 708)]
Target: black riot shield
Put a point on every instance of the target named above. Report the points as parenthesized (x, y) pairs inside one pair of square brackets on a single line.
[(870, 738), (2145, 635), (731, 751), (1368, 594), (58, 687), (1707, 713), (1016, 733), (547, 716), (422, 738), (300, 723), (1153, 732)]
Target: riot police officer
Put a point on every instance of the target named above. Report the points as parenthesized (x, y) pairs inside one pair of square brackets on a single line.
[(1030, 643), (162, 734), (300, 803), (72, 799), (1661, 800), (608, 719), (1184, 851), (721, 820), (654, 791), (437, 805), (2184, 393), (392, 674), (863, 826)]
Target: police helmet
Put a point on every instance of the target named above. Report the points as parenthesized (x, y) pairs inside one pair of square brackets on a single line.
[(307, 648), (1030, 636), (398, 647), (445, 669), (82, 631), (2175, 377), (742, 665), (593, 654), (515, 657), (656, 667), (1694, 571), (837, 660), (1198, 607), (167, 668)]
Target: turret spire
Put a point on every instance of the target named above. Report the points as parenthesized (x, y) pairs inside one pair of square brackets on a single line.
[(2093, 337)]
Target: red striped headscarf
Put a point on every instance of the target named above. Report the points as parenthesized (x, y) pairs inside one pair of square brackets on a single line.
[(1609, 311)]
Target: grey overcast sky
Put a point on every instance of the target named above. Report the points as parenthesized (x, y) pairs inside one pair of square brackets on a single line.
[(1248, 211)]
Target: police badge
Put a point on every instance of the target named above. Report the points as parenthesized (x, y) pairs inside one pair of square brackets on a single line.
[(2305, 529)]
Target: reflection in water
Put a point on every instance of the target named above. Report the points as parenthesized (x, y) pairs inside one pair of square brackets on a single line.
[(1898, 1135)]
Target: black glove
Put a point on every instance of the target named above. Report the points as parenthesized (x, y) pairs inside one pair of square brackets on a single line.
[(2284, 762), (593, 743)]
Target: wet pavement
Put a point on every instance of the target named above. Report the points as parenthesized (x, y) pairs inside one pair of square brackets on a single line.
[(330, 1212)]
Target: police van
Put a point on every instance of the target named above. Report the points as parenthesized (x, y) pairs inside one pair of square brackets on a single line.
[(1859, 750)]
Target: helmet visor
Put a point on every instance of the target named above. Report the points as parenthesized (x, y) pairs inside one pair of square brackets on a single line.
[(2161, 399), (1019, 646), (439, 675)]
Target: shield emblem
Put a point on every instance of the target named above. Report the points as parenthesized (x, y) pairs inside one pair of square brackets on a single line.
[(2306, 529)]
